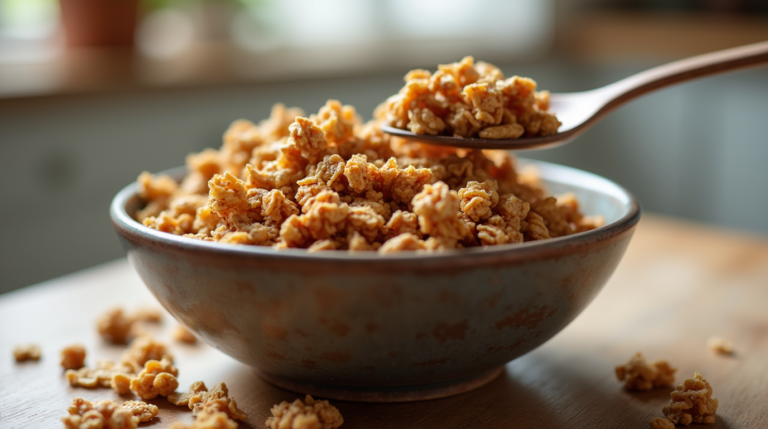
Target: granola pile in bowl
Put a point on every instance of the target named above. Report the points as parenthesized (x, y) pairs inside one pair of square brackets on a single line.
[(347, 264)]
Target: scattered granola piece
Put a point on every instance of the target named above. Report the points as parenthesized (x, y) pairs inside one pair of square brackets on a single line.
[(101, 375), (659, 423), (107, 414), (720, 345), (114, 326), (26, 352), (157, 378), (143, 349), (182, 334), (692, 402), (309, 414), (199, 398), (73, 357), (638, 374), (141, 410), (153, 314), (208, 420)]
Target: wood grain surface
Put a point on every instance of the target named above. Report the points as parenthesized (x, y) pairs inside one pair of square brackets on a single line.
[(678, 285)]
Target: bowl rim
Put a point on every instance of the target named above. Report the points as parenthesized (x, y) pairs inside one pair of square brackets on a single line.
[(129, 227)]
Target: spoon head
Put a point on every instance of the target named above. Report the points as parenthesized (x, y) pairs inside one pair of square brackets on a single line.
[(524, 143)]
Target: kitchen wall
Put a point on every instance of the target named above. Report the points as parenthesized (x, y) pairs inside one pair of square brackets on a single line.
[(695, 151)]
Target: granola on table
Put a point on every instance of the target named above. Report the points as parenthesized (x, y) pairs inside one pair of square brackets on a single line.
[(73, 356), (108, 414), (308, 414), (692, 402), (465, 99), (26, 352), (639, 374), (330, 182)]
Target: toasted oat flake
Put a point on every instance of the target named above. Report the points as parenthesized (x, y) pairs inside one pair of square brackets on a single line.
[(182, 334), (720, 345), (114, 326), (692, 402), (307, 414), (638, 374), (153, 314), (107, 414), (200, 399), (659, 423), (329, 182), (208, 420), (73, 357), (26, 352), (157, 378), (101, 375)]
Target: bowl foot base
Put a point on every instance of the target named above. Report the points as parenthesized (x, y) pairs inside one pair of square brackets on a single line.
[(385, 394)]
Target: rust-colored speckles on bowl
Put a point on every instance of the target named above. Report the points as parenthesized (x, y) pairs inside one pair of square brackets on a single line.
[(397, 328)]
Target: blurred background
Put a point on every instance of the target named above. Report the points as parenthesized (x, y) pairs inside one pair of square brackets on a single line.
[(92, 92)]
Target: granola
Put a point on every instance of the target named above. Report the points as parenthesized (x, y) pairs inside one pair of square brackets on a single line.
[(208, 420), (107, 414), (720, 345), (73, 357), (26, 352), (106, 373), (115, 326), (200, 399), (470, 100), (638, 374), (307, 414), (157, 378), (692, 402), (182, 334), (330, 182), (659, 423)]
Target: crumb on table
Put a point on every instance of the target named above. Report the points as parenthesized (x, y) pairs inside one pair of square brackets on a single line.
[(720, 345), (73, 356), (307, 414), (208, 420), (157, 378), (25, 352), (107, 414), (199, 399), (692, 402), (638, 374), (662, 423), (183, 335)]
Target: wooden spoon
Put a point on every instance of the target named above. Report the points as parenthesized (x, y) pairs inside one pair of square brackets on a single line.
[(580, 110)]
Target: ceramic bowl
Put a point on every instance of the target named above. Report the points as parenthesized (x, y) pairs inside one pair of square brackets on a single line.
[(371, 328)]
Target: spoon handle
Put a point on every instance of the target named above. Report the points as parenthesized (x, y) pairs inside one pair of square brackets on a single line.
[(683, 70)]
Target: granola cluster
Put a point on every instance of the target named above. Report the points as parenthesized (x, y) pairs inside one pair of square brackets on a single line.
[(26, 352), (208, 420), (331, 182), (157, 378), (119, 375), (117, 327), (309, 414), (692, 402), (183, 335), (108, 414), (201, 400), (470, 100), (638, 374), (73, 357), (720, 345)]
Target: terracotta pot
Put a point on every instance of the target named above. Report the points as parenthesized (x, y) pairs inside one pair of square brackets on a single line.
[(99, 22)]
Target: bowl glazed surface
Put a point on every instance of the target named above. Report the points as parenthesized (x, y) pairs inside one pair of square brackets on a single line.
[(384, 327)]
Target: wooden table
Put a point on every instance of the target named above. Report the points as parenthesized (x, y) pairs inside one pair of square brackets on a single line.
[(678, 284)]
